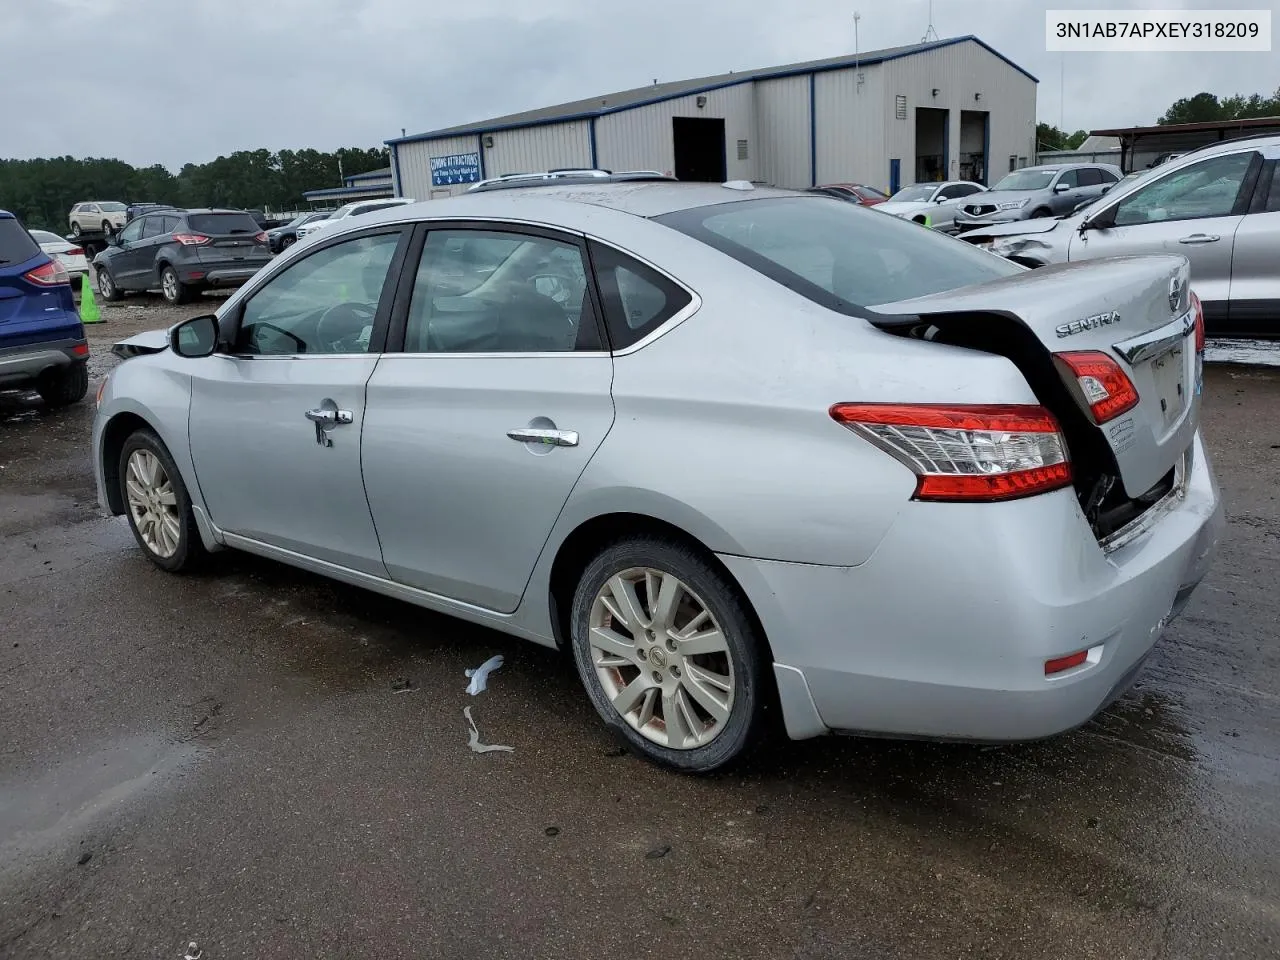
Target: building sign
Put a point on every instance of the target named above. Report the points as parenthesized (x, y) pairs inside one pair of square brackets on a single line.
[(455, 168)]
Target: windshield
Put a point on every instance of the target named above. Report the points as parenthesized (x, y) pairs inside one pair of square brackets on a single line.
[(921, 191), (838, 254), (1027, 180), (111, 207)]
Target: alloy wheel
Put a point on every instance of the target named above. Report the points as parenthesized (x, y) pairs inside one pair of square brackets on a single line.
[(153, 503), (169, 286), (661, 658)]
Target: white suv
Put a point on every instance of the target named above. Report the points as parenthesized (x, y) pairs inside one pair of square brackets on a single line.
[(97, 215), (351, 210)]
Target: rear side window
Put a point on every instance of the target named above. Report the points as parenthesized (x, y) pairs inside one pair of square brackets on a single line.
[(152, 227), (16, 245), (842, 256), (636, 299), (222, 223), (1090, 177)]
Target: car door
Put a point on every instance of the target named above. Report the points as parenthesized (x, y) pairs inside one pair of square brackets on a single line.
[(1194, 211), (142, 255), (1255, 283), (125, 260), (276, 415), (1064, 201), (480, 423)]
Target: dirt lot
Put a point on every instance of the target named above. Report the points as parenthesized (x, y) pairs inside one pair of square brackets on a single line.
[(225, 759)]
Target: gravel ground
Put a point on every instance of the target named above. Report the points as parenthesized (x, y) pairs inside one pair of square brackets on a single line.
[(273, 765)]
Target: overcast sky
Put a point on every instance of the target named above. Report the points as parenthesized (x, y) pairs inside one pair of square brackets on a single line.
[(172, 81)]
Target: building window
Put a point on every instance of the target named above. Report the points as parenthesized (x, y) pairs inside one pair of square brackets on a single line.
[(742, 149), (900, 107)]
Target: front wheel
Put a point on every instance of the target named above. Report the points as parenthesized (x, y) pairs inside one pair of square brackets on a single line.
[(1041, 212), (174, 290), (106, 226), (107, 285), (669, 655), (158, 505)]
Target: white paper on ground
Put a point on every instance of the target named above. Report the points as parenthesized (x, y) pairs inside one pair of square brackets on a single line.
[(474, 741), (480, 675)]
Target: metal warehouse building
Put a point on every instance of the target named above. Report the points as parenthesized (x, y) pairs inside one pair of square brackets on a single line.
[(949, 109)]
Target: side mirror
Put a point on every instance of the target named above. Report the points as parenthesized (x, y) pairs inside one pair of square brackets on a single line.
[(1107, 187), (940, 199), (1061, 188), (197, 337)]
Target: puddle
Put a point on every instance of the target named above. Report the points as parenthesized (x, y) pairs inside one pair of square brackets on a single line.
[(1262, 353), (38, 814)]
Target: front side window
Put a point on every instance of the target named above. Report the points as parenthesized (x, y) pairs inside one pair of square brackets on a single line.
[(132, 232), (322, 304), (1069, 179), (494, 291), (1205, 189), (841, 256)]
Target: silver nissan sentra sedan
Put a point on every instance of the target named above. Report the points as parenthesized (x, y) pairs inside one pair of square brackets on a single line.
[(733, 447)]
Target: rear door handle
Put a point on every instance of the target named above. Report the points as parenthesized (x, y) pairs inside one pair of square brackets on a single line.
[(555, 438), (1201, 238)]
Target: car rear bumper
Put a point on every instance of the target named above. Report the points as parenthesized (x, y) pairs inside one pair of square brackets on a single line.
[(945, 630), (26, 364), (221, 275)]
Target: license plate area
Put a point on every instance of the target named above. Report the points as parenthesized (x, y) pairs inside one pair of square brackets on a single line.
[(1168, 374)]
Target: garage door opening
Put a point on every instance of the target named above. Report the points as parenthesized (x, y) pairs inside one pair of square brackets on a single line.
[(699, 148), (973, 145), (931, 144)]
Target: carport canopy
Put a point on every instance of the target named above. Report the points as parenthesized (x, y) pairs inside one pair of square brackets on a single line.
[(1139, 146)]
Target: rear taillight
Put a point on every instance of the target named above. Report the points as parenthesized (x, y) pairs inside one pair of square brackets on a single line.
[(260, 236), (49, 275), (191, 239), (1107, 389), (75, 252), (1198, 307), (966, 452)]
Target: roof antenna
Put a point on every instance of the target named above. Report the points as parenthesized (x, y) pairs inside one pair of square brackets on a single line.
[(930, 34)]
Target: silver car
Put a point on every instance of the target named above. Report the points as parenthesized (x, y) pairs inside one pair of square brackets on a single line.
[(1218, 206), (934, 203), (1035, 192), (734, 448)]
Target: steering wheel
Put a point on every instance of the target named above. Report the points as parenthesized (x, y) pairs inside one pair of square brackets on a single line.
[(344, 322)]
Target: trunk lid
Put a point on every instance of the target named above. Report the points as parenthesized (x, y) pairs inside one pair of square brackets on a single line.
[(1135, 310)]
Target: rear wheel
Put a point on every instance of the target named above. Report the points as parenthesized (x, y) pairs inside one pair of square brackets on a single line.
[(106, 226), (671, 659), (157, 504), (174, 290), (107, 285), (75, 228), (64, 387), (288, 242)]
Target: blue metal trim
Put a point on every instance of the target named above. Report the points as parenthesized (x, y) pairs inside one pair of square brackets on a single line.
[(386, 190), (480, 150), (986, 150), (946, 145), (372, 175), (813, 129), (591, 136), (782, 74), (395, 173)]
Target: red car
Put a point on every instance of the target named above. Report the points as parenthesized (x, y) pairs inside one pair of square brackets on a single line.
[(853, 192)]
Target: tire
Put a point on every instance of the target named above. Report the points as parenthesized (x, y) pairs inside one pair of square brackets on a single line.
[(177, 547), (683, 679), (287, 242), (107, 285), (1041, 212), (106, 226), (75, 228), (65, 387), (173, 289)]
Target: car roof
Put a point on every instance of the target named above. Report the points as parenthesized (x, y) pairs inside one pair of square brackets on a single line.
[(7, 215)]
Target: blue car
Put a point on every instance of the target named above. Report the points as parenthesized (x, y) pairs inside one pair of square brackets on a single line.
[(42, 342)]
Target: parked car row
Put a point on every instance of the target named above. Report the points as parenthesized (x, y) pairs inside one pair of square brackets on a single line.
[(1218, 206), (357, 209), (934, 495)]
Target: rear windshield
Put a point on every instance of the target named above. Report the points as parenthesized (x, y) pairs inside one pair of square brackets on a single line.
[(16, 244), (839, 254), (111, 207), (222, 223)]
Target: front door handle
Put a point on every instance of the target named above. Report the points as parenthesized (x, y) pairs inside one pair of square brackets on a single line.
[(328, 417), (555, 438), (1201, 238)]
